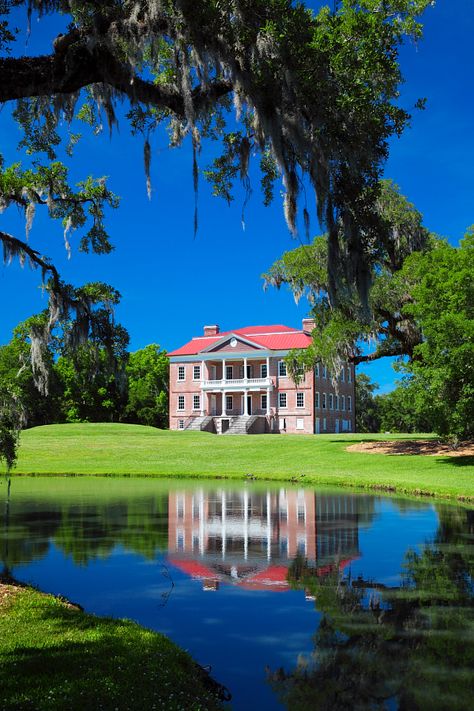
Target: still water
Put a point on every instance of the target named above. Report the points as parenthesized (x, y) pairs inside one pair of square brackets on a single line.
[(297, 598)]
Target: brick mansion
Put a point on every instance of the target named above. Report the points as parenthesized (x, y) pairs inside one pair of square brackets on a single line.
[(236, 382)]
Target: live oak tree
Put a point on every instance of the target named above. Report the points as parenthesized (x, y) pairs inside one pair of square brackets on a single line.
[(422, 311), (315, 98), (315, 95), (345, 332)]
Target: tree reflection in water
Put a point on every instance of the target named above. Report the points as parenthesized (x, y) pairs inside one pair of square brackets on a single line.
[(410, 647)]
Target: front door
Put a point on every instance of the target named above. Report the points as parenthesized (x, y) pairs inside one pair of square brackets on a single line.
[(249, 404), (213, 405)]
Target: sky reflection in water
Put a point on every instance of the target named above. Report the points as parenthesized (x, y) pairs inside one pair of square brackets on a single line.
[(208, 564)]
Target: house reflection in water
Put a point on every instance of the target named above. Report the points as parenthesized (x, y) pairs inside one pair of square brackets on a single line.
[(250, 539)]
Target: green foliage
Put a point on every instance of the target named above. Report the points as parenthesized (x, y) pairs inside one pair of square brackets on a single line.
[(443, 368), (404, 409), (367, 410), (10, 424), (148, 374), (48, 186)]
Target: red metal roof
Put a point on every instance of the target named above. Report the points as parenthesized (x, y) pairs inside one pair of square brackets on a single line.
[(275, 338)]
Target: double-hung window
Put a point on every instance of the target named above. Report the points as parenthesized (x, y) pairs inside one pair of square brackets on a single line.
[(181, 372), (325, 372), (331, 401), (180, 402), (196, 402), (349, 403), (299, 399), (349, 375), (229, 403), (229, 372), (282, 400), (343, 402), (282, 369), (342, 375), (316, 370), (317, 401), (196, 372), (263, 402), (324, 401), (263, 370)]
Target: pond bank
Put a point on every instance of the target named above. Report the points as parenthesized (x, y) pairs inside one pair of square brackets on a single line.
[(54, 656), (133, 450)]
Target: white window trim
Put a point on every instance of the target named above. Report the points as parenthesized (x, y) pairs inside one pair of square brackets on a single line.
[(300, 421), (343, 375), (181, 380), (194, 402), (316, 370), (280, 364), (299, 407), (343, 403), (231, 367), (262, 406), (178, 408), (317, 401), (180, 424), (324, 402), (349, 403), (331, 401), (227, 398), (285, 406), (262, 366), (349, 375), (198, 379)]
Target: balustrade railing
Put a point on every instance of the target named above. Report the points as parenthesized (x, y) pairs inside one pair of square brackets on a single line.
[(238, 382)]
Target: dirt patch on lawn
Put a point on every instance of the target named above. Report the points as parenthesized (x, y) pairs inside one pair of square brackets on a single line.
[(7, 592), (430, 448)]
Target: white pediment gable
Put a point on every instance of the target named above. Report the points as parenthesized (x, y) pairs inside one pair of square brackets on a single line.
[(232, 343)]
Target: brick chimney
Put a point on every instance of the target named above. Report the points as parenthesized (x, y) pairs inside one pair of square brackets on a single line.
[(308, 324), (211, 330)]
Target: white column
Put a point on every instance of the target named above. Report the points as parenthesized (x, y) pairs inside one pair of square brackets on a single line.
[(246, 524), (269, 530), (223, 369), (223, 403), (246, 404), (245, 368), (268, 400), (201, 522), (223, 504), (268, 366)]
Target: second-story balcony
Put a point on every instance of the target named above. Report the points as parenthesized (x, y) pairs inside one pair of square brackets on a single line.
[(237, 384)]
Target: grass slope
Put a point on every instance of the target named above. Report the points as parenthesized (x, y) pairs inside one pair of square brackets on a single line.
[(134, 450), (55, 657)]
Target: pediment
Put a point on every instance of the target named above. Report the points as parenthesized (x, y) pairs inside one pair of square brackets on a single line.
[(232, 343)]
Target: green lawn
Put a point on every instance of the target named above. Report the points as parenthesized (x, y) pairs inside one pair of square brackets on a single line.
[(134, 450), (55, 657)]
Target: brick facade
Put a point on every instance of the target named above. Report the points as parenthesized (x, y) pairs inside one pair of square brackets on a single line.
[(242, 374)]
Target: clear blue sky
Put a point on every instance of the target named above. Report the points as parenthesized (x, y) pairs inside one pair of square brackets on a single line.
[(173, 284)]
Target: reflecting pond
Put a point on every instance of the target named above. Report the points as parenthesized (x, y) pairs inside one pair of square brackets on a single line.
[(297, 598)]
